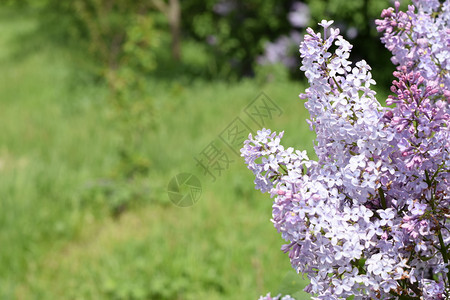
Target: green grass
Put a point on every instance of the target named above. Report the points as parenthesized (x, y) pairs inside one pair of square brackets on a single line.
[(60, 184)]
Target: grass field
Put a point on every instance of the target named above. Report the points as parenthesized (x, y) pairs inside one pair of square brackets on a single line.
[(73, 227)]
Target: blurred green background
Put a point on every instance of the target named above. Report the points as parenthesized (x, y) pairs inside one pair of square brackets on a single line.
[(103, 102)]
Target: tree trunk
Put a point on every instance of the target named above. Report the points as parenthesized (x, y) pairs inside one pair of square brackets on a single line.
[(172, 10), (174, 16)]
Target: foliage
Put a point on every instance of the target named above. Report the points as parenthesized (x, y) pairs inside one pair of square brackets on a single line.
[(237, 32), (113, 31)]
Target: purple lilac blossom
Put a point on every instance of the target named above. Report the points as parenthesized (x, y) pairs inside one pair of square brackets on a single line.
[(280, 51), (299, 15), (419, 38), (211, 40), (224, 7), (369, 218), (352, 32)]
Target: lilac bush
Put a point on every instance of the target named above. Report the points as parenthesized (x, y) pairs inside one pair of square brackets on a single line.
[(369, 217)]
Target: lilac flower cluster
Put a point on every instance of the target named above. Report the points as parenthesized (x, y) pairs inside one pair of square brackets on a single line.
[(280, 51), (369, 218), (414, 45), (279, 297), (299, 15)]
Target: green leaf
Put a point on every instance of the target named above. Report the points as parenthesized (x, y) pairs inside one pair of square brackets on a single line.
[(293, 284)]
